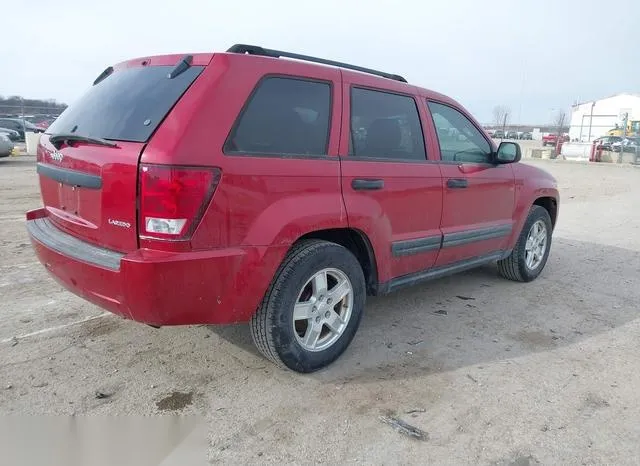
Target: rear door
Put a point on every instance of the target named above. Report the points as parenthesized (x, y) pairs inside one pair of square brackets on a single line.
[(391, 189), (89, 188), (479, 196)]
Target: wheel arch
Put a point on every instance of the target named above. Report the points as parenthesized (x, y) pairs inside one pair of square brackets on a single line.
[(358, 243), (550, 204)]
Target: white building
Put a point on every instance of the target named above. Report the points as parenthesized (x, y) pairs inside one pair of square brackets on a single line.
[(590, 120)]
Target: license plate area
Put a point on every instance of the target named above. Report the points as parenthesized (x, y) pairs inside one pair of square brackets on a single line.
[(68, 196)]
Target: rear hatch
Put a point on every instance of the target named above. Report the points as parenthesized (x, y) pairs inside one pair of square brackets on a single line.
[(88, 158)]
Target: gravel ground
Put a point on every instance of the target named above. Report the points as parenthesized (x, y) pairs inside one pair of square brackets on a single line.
[(494, 372)]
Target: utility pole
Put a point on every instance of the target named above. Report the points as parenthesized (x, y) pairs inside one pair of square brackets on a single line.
[(593, 104), (560, 123), (504, 124), (24, 126)]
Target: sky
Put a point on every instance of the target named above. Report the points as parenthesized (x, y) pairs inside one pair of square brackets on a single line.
[(534, 57)]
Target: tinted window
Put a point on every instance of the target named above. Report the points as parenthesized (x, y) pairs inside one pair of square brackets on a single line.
[(126, 106), (284, 116), (385, 125), (459, 139)]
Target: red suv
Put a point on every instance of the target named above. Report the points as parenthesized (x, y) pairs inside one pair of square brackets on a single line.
[(248, 187)]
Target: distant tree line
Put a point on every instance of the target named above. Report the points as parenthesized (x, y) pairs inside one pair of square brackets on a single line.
[(17, 105)]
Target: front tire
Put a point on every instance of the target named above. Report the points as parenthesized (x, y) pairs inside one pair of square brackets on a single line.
[(313, 307), (530, 254)]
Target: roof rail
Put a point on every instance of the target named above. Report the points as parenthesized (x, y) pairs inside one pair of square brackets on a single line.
[(257, 50)]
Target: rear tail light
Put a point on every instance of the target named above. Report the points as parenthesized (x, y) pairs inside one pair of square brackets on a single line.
[(173, 199)]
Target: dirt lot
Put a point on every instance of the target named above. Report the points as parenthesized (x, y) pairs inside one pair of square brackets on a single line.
[(496, 372)]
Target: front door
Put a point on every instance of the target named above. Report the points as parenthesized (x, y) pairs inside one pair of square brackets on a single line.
[(391, 190), (479, 196)]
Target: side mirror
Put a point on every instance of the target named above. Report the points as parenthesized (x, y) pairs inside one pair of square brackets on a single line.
[(508, 152)]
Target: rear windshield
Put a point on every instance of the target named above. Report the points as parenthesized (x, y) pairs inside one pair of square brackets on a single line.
[(127, 105)]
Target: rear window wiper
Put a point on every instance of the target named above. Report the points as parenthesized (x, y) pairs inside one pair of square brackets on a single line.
[(62, 137)]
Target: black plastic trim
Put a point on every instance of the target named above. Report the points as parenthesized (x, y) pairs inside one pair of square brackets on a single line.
[(103, 75), (359, 158), (181, 67), (479, 164), (70, 177), (43, 231), (471, 236), (439, 272), (362, 184), (457, 183), (416, 246), (257, 50), (283, 156)]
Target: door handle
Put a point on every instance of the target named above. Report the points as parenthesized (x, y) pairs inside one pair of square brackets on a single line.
[(457, 183), (367, 185)]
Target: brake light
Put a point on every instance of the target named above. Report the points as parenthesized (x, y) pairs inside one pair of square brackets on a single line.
[(173, 199)]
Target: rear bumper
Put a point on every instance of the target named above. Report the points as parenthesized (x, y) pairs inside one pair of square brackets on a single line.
[(157, 287)]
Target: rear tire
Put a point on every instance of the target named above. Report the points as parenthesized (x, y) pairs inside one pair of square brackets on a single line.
[(530, 254), (311, 281)]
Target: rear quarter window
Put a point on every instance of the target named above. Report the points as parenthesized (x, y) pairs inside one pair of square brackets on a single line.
[(286, 116), (128, 105)]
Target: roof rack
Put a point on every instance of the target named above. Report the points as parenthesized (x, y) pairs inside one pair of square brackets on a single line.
[(257, 50)]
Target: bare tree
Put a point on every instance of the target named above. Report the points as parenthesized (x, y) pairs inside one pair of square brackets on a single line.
[(501, 115), (558, 121)]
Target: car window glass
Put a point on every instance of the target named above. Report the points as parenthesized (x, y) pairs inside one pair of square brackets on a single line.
[(284, 116), (460, 140), (128, 105), (385, 125)]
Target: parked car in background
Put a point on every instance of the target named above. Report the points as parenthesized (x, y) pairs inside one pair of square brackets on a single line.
[(498, 134), (19, 125), (512, 135), (628, 144), (633, 145), (44, 124), (607, 142), (617, 146), (41, 121), (6, 145), (551, 139), (526, 136), (170, 220), (11, 134)]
